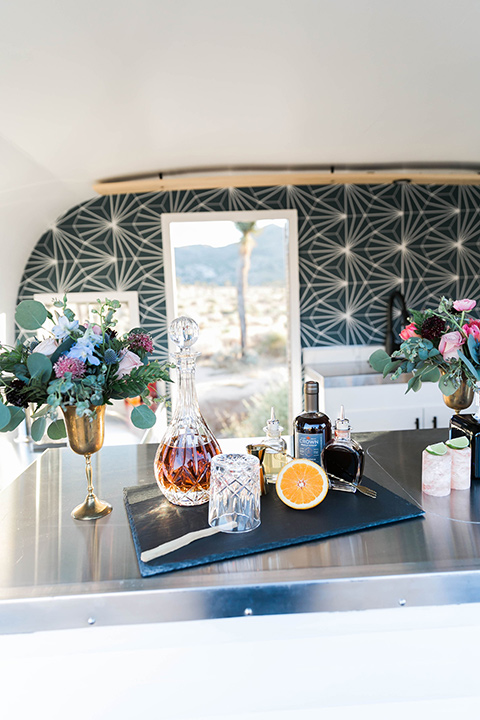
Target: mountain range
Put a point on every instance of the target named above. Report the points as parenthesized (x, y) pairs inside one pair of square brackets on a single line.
[(219, 266)]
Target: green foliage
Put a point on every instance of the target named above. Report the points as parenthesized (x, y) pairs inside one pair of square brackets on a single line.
[(142, 417), (378, 360), (37, 430), (31, 315), (39, 367), (57, 430), (17, 415), (137, 381), (4, 415)]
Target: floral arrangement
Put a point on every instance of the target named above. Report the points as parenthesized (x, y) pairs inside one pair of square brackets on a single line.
[(81, 364), (439, 345)]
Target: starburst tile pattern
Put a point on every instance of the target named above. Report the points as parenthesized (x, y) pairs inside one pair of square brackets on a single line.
[(357, 244)]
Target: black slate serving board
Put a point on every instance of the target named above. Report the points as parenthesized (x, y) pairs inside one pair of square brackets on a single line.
[(153, 520)]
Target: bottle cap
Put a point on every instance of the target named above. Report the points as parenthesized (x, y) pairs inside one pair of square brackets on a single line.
[(342, 423), (273, 427), (183, 332), (311, 387)]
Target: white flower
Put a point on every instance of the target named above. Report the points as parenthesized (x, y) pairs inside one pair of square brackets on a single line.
[(46, 347), (64, 327)]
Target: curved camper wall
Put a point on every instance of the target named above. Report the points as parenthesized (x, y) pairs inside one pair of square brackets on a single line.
[(357, 244)]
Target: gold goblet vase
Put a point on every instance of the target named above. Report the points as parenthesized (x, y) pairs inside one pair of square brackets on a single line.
[(461, 399), (85, 436)]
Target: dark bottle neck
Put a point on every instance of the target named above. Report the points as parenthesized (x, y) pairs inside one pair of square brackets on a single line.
[(311, 402)]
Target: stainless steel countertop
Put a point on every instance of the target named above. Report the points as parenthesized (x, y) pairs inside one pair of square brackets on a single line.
[(59, 573)]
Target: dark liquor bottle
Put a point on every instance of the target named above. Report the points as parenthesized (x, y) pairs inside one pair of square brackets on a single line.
[(343, 458), (311, 429), (468, 424)]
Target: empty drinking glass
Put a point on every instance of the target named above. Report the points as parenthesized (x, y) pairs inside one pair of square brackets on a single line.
[(234, 492)]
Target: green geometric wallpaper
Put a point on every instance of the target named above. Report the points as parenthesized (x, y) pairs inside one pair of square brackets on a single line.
[(357, 244)]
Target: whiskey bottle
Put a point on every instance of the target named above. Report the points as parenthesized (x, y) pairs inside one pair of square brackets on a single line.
[(311, 429), (343, 458)]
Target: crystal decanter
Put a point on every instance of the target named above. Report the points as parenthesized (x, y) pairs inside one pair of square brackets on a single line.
[(182, 462)]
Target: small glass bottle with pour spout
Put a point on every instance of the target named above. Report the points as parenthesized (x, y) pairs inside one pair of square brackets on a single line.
[(182, 462), (343, 458), (275, 455)]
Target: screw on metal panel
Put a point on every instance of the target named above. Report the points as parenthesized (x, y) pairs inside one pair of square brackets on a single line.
[(91, 621), (248, 611), (402, 602)]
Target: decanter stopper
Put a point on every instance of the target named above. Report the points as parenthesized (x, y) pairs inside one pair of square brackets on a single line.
[(183, 332)]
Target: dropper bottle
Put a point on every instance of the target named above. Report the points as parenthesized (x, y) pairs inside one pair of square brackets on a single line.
[(343, 458), (275, 456)]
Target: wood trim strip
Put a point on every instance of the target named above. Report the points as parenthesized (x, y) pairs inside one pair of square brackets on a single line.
[(206, 182)]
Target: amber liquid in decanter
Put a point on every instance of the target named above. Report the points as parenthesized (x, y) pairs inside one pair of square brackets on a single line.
[(185, 469)]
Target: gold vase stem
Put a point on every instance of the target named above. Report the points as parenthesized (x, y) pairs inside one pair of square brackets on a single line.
[(88, 472)]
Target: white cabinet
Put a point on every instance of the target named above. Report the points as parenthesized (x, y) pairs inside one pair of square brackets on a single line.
[(386, 407), (371, 402)]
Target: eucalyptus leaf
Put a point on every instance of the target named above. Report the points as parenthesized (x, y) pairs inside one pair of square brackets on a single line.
[(475, 371), (56, 430), (4, 415), (30, 314), (39, 366), (17, 415), (378, 360), (40, 412), (391, 366), (20, 371), (473, 347), (142, 417), (431, 374), (37, 430), (446, 385), (415, 383)]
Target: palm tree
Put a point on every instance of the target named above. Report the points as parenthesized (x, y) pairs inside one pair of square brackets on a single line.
[(245, 247)]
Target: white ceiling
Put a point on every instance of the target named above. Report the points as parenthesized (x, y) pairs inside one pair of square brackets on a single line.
[(92, 89)]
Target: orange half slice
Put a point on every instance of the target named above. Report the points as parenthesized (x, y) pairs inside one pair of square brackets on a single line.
[(302, 484)]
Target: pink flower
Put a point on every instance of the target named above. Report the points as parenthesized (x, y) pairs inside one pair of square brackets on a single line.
[(409, 332), (140, 341), (72, 365), (464, 305), (46, 347), (449, 344), (472, 328), (128, 362)]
